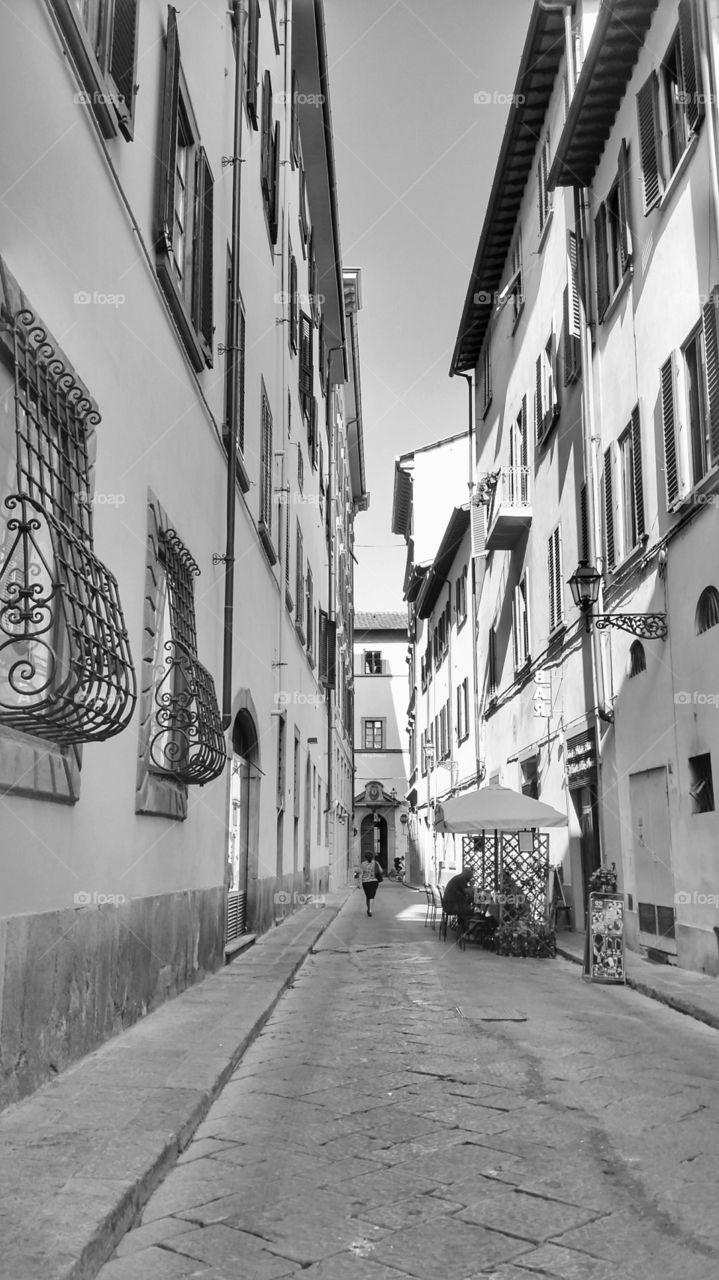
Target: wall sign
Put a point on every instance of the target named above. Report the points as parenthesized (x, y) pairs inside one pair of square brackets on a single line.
[(604, 949), (581, 759)]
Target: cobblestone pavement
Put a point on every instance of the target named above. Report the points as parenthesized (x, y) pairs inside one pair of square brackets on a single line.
[(412, 1110)]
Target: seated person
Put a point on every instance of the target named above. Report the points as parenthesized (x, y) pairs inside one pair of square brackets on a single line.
[(457, 897)]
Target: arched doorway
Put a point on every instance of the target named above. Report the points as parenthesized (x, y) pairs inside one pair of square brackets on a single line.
[(242, 821), (373, 838)]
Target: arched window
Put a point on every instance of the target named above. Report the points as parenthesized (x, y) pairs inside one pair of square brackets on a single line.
[(707, 610), (637, 659)]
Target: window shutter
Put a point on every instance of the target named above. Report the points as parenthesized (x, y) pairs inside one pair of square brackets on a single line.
[(287, 545), (266, 488), (492, 660), (306, 369), (572, 330), (600, 252), (123, 61), (523, 437), (478, 527), (538, 400), (583, 524), (609, 509), (314, 434), (689, 46), (202, 301), (294, 124), (253, 23), (625, 234), (241, 388), (299, 575), (331, 654), (711, 350), (168, 141), (638, 496), (649, 153), (671, 472), (266, 166), (515, 627), (550, 580), (274, 202), (293, 302)]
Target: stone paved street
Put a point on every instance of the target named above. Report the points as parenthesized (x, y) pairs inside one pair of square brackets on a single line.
[(412, 1110)]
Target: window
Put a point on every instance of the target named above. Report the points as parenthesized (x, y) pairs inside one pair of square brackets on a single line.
[(516, 276), (463, 710), (309, 602), (612, 237), (698, 409), (623, 495), (518, 451), (544, 197), (670, 107), (266, 471), (461, 598), (697, 367), (373, 734), (327, 651), (444, 743), (102, 37), (184, 216), (627, 493), (373, 662), (294, 125), (608, 492), (306, 366), (556, 585), (572, 314), (701, 784), (281, 761), (250, 53), (637, 659), (583, 529), (546, 396), (299, 579), (187, 743), (520, 624), (294, 317), (235, 352), (270, 160), (492, 670), (296, 779), (300, 469), (304, 219), (486, 376), (530, 777), (707, 614)]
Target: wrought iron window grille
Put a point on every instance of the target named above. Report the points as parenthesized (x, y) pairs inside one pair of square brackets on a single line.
[(66, 671), (187, 742)]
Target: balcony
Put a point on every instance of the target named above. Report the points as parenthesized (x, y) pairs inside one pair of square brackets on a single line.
[(509, 514)]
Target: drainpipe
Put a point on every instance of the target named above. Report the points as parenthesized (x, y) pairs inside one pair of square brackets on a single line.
[(566, 10), (331, 610), (231, 357), (709, 53)]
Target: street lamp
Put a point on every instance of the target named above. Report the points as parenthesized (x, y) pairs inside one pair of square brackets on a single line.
[(585, 583)]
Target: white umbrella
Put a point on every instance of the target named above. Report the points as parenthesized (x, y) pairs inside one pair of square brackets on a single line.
[(494, 809)]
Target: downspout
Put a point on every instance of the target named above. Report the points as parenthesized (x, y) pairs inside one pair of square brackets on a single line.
[(709, 52), (331, 602), (231, 357), (473, 564)]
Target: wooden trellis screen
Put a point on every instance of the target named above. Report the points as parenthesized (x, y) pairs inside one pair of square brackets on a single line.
[(500, 866)]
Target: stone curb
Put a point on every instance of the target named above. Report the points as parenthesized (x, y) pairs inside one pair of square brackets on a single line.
[(63, 1221), (662, 997)]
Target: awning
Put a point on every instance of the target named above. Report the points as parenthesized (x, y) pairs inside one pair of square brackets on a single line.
[(494, 809)]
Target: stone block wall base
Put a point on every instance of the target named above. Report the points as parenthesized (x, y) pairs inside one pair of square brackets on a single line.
[(70, 979)]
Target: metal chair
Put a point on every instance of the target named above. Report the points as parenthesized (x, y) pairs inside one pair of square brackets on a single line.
[(430, 913), (448, 920)]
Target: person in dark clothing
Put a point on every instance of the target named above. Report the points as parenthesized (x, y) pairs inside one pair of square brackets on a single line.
[(457, 898)]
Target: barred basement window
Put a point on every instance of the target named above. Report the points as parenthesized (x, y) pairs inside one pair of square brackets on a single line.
[(187, 742), (66, 673)]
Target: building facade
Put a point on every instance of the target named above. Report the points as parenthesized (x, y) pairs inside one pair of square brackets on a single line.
[(381, 752), (589, 329), (175, 375)]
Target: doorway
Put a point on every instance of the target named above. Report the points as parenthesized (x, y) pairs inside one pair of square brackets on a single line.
[(651, 847), (242, 821), (373, 838), (584, 798)]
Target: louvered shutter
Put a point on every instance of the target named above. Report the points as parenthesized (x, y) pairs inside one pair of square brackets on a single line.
[(609, 509), (266, 165), (253, 24), (583, 525), (689, 47), (492, 660), (331, 653), (294, 124), (550, 579), (293, 302), (600, 252), (671, 472), (523, 443), (241, 381), (123, 61), (638, 496), (314, 432), (558, 585), (168, 139), (306, 370), (649, 152), (478, 521), (299, 576), (515, 627), (572, 353), (266, 495), (287, 545), (202, 293), (538, 414), (711, 355), (625, 234), (274, 201)]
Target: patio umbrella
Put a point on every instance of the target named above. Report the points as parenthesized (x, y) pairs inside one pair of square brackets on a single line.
[(494, 809)]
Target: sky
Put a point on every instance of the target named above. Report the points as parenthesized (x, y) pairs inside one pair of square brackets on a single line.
[(415, 155)]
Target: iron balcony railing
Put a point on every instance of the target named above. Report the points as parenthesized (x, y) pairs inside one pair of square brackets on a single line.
[(187, 743), (511, 490)]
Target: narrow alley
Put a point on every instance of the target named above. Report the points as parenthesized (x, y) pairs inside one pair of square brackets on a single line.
[(413, 1110)]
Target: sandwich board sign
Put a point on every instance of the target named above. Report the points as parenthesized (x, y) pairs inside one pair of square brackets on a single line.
[(604, 949)]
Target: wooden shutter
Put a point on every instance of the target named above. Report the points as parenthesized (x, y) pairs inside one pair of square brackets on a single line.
[(331, 653), (314, 434), (600, 253), (556, 610), (478, 527), (266, 167), (266, 494), (711, 355), (572, 317), (609, 509), (689, 49), (523, 443), (274, 200), (671, 472), (294, 124), (538, 400), (583, 524), (306, 363), (649, 150), (202, 292), (123, 61), (638, 496), (253, 24), (625, 234), (287, 545), (299, 574), (168, 139), (294, 316), (492, 660), (242, 326)]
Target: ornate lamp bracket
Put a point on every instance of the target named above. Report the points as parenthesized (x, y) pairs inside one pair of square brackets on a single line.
[(648, 626)]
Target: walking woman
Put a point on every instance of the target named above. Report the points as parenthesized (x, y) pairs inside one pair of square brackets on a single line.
[(371, 873)]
